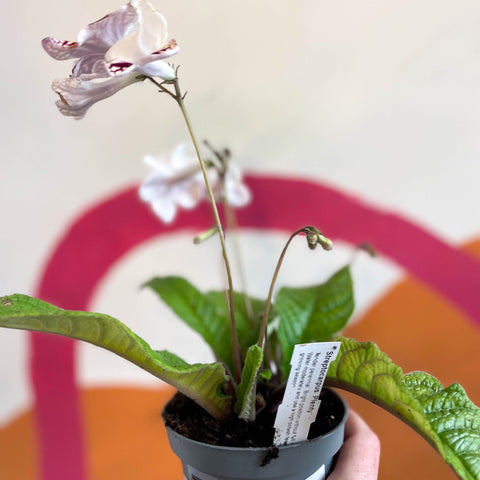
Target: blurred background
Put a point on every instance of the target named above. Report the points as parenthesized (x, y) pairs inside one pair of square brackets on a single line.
[(376, 102)]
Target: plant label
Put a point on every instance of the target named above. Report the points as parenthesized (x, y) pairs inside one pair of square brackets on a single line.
[(318, 475), (196, 475), (310, 362)]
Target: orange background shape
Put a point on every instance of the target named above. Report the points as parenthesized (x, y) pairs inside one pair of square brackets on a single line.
[(125, 435)]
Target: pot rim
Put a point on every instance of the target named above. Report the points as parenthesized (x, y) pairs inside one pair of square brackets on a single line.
[(333, 431)]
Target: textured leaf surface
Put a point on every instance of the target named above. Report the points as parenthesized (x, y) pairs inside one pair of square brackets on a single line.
[(207, 314), (444, 416), (246, 391), (313, 314), (201, 382)]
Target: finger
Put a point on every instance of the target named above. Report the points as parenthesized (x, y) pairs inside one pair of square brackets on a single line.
[(359, 456)]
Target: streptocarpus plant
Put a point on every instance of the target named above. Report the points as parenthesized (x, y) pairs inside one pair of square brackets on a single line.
[(252, 339)]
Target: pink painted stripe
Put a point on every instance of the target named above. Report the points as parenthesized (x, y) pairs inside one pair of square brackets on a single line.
[(57, 408), (89, 247), (106, 232)]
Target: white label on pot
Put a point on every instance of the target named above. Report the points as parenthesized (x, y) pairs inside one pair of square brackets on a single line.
[(194, 474), (318, 475), (310, 362)]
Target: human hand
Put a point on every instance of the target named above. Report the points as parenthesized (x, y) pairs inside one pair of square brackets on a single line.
[(359, 456)]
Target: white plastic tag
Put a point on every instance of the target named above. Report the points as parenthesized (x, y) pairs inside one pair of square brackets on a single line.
[(196, 475), (310, 362), (318, 475)]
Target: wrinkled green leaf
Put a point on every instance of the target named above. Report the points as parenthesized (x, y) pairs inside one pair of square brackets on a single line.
[(445, 417), (454, 418), (313, 314), (246, 390), (207, 314), (202, 382)]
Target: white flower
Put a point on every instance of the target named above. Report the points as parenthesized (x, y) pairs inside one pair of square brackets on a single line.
[(237, 193), (177, 181), (110, 54)]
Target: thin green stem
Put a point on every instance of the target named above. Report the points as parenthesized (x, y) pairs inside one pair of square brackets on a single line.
[(162, 88), (235, 346), (268, 303), (232, 225), (314, 238)]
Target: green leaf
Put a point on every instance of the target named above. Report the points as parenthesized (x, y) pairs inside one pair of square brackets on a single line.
[(246, 390), (198, 312), (207, 314), (313, 314), (247, 329), (454, 418), (445, 417), (265, 374), (202, 382)]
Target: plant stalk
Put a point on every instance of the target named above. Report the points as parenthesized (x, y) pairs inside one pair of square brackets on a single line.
[(314, 237), (235, 346), (268, 303), (232, 224)]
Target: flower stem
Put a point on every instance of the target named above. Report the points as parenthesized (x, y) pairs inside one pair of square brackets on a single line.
[(314, 237), (235, 346), (232, 225)]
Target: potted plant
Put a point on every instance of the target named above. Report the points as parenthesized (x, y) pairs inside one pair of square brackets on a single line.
[(273, 354)]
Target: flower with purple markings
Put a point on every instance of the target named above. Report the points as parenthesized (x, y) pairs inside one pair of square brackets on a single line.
[(119, 49)]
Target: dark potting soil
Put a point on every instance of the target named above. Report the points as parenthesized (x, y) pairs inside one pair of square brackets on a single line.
[(190, 420)]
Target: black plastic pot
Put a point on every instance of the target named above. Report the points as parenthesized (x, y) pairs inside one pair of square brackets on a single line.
[(296, 461)]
